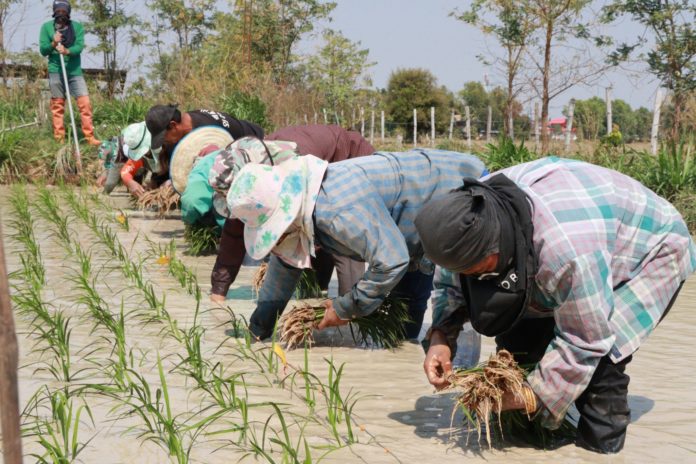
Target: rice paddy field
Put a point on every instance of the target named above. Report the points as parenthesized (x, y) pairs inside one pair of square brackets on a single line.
[(124, 360)]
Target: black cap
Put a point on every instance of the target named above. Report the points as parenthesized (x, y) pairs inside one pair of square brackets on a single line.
[(157, 121), (59, 5)]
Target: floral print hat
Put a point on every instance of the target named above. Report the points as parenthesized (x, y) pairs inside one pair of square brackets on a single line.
[(233, 158), (277, 202)]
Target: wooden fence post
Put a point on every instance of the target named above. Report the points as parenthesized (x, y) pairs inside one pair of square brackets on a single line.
[(654, 133), (415, 127), (9, 391), (569, 126)]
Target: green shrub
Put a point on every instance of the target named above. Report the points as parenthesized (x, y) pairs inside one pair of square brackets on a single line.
[(506, 154), (247, 107)]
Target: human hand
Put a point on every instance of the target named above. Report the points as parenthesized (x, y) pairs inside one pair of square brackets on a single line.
[(135, 188), (101, 180), (438, 364), (330, 319), (57, 37), (218, 299), (526, 399), (62, 50)]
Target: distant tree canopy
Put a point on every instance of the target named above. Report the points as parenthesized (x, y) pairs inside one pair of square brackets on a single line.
[(591, 122), (416, 88), (474, 96)]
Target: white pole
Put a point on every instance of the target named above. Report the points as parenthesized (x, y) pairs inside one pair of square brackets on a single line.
[(415, 127), (468, 127), (362, 121), (305, 119), (432, 126), (569, 126), (656, 121), (78, 156), (489, 124), (315, 118), (326, 118), (537, 132), (382, 121), (609, 115), (451, 126), (372, 127)]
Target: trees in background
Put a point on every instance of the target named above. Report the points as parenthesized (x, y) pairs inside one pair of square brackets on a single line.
[(591, 123), (338, 69), (513, 28), (672, 56), (417, 88)]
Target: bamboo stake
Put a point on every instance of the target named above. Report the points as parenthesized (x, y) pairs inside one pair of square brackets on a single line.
[(415, 127), (9, 394), (569, 126)]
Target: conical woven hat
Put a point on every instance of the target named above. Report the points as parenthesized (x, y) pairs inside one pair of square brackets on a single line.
[(187, 150)]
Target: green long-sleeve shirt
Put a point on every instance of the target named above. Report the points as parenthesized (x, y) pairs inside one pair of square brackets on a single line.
[(73, 65), (197, 199)]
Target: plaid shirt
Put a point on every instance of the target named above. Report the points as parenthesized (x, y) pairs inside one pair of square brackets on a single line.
[(365, 211), (611, 256)]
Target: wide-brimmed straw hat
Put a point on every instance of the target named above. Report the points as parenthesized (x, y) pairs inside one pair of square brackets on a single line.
[(188, 148), (268, 199)]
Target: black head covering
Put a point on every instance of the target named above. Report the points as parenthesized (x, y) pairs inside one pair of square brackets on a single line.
[(62, 22), (465, 226)]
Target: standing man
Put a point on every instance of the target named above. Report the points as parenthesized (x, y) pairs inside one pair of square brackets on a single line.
[(331, 143), (66, 37), (569, 265)]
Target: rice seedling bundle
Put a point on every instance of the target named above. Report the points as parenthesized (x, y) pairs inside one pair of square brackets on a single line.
[(482, 388), (201, 239), (164, 199), (259, 277), (384, 327)]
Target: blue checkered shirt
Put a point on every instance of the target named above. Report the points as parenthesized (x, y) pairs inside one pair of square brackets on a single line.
[(365, 211)]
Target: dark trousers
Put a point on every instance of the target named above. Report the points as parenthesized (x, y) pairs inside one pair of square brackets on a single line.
[(348, 271), (415, 287), (603, 406)]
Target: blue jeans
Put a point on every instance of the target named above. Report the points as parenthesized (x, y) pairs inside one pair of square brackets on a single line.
[(77, 85), (414, 287)]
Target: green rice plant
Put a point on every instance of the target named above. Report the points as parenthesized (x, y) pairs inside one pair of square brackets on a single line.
[(166, 254), (59, 434), (517, 428), (159, 425), (49, 209), (201, 239), (23, 225), (308, 285), (339, 407)]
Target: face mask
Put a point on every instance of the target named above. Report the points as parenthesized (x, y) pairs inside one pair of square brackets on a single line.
[(152, 163), (62, 21)]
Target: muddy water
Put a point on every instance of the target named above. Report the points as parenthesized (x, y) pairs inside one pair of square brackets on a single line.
[(400, 418)]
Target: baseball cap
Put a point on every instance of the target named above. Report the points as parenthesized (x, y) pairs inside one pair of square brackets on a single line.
[(157, 121)]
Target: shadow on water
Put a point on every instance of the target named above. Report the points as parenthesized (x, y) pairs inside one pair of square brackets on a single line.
[(432, 417), (639, 406), (242, 292)]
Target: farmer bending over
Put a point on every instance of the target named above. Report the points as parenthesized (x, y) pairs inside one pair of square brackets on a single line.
[(331, 143), (361, 208), (568, 265)]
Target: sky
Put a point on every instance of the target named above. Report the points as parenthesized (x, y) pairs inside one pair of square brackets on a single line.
[(400, 34)]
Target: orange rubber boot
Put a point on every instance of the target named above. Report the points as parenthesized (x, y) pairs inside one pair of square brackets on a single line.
[(85, 108), (58, 111)]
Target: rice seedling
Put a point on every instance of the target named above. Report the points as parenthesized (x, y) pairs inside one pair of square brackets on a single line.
[(482, 389), (166, 255), (159, 424), (49, 209), (339, 408), (308, 285), (201, 239), (59, 434), (384, 327), (163, 199)]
